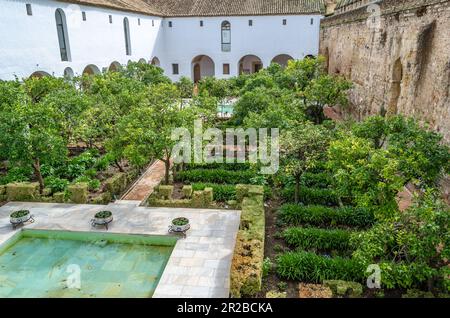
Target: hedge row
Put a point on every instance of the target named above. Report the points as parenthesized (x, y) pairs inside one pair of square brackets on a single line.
[(311, 196), (310, 267), (222, 192), (321, 239), (215, 166), (220, 176), (294, 214)]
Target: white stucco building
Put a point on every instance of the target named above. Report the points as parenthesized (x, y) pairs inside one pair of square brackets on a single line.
[(192, 38)]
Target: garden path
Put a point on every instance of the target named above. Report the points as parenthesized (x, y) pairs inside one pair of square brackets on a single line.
[(146, 183)]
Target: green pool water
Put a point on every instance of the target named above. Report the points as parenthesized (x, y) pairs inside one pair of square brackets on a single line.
[(40, 263)]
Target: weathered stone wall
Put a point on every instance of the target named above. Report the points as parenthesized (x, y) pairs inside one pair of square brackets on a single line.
[(401, 67)]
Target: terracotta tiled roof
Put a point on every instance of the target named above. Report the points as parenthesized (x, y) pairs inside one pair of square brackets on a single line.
[(179, 8), (138, 6), (343, 3)]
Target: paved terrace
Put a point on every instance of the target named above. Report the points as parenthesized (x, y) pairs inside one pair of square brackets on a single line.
[(199, 266)]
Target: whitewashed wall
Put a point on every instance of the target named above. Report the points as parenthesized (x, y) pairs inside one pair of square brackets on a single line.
[(267, 38), (30, 43)]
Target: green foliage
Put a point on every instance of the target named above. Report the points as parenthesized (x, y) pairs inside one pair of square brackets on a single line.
[(293, 214), (221, 192), (267, 267), (321, 239), (309, 267), (186, 87), (56, 184), (17, 174), (211, 86), (309, 196), (214, 176), (367, 175), (145, 73), (416, 240)]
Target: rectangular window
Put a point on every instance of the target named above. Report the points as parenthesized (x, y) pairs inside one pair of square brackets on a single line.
[(312, 21), (284, 21), (83, 15), (175, 70), (170, 24), (29, 11), (226, 69), (110, 18), (201, 23), (250, 22), (139, 21)]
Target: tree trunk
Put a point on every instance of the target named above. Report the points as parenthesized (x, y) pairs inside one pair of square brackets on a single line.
[(118, 165), (167, 164), (37, 172), (297, 189)]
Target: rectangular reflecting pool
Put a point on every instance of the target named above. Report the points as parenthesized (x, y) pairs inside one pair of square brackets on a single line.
[(45, 263)]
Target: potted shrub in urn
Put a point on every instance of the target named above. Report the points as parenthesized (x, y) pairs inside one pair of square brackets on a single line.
[(180, 224), (102, 218), (20, 216)]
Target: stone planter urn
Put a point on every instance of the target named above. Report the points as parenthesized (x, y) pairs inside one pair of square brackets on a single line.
[(180, 224), (102, 218), (20, 216)]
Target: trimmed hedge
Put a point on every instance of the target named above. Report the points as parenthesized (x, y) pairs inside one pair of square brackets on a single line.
[(314, 238), (313, 268), (220, 176), (311, 196), (247, 264), (220, 166), (317, 215), (222, 192)]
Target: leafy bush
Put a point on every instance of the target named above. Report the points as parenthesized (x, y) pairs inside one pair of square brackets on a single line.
[(220, 176), (17, 174), (103, 162), (316, 180), (221, 192), (324, 216), (310, 267), (312, 196), (314, 238), (56, 184), (93, 184)]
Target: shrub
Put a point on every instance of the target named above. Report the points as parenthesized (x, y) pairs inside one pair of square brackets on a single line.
[(221, 166), (316, 180), (312, 196), (56, 184), (103, 162), (222, 192), (324, 216), (313, 238), (310, 267), (220, 176), (93, 184), (17, 174), (78, 193)]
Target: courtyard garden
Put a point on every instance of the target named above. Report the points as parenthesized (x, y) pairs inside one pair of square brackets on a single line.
[(328, 223)]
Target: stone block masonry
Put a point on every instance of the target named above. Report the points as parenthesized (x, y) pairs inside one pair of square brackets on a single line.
[(401, 67)]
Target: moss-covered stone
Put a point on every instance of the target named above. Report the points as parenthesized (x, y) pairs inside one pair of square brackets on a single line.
[(187, 191), (415, 293), (116, 184), (3, 197), (2, 189), (197, 199), (185, 203), (102, 198), (208, 195), (59, 197), (23, 191), (275, 294), (247, 265), (344, 288), (47, 192), (232, 204), (78, 192), (165, 192)]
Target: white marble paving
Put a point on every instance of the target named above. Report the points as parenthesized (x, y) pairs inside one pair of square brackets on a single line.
[(199, 266)]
